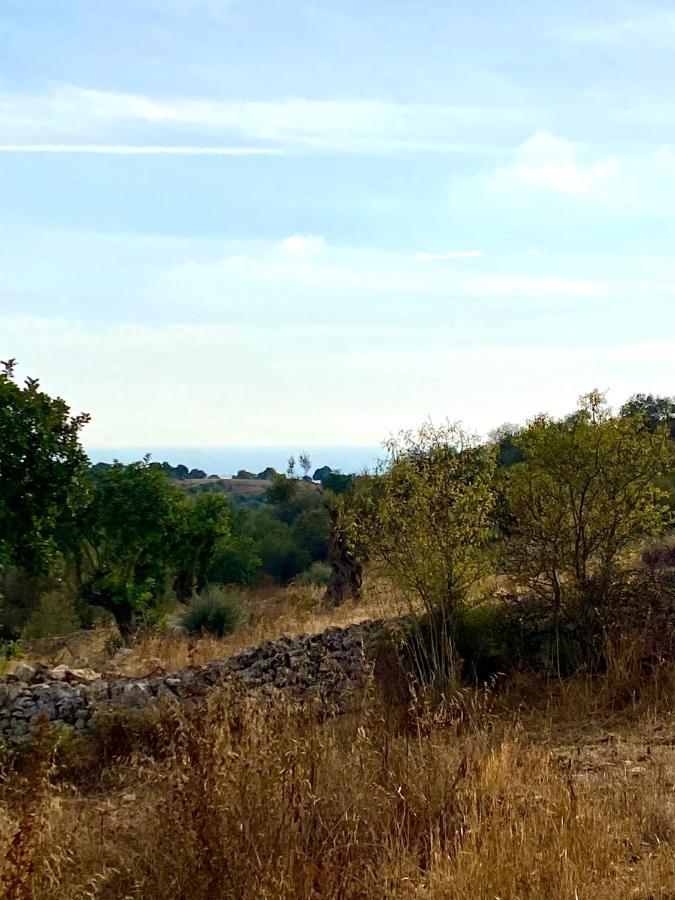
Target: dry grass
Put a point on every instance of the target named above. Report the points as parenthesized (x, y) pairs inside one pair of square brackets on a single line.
[(269, 613), (252, 800)]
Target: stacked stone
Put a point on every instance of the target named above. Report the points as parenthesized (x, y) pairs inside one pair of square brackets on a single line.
[(328, 666)]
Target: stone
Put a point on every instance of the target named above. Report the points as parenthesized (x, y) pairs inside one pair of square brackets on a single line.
[(135, 694), (24, 672), (324, 669), (58, 673), (83, 675)]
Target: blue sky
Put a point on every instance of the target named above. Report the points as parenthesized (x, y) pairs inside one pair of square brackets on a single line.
[(268, 222)]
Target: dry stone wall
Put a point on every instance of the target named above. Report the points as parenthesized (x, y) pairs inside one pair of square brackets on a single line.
[(329, 666)]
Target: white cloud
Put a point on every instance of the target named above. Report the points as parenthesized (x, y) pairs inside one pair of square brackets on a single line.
[(303, 244), (550, 163), (449, 254)]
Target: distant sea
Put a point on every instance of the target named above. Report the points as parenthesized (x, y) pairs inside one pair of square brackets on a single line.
[(226, 461)]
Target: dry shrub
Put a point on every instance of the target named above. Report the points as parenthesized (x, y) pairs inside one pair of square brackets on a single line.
[(256, 799)]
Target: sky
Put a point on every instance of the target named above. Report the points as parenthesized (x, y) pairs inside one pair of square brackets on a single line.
[(273, 222)]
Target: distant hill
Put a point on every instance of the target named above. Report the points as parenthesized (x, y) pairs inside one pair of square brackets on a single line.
[(245, 489)]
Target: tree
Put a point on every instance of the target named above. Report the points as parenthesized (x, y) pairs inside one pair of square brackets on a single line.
[(425, 520), (281, 556), (202, 530), (504, 436), (267, 474), (654, 411), (337, 482), (305, 462), (290, 468), (346, 563), (283, 491), (311, 530), (125, 558), (321, 473), (583, 495), (42, 471)]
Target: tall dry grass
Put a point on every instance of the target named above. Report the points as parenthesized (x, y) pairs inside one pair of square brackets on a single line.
[(254, 800)]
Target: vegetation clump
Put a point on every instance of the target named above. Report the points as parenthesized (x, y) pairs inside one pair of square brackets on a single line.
[(216, 612)]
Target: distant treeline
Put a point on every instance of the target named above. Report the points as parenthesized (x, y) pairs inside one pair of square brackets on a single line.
[(183, 473)]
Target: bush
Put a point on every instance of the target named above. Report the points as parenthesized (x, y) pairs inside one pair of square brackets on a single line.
[(216, 612), (55, 615), (317, 575)]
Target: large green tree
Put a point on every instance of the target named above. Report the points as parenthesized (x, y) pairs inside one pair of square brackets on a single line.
[(584, 494), (42, 471), (125, 555)]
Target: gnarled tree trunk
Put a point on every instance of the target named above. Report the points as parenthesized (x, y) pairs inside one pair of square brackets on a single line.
[(346, 577)]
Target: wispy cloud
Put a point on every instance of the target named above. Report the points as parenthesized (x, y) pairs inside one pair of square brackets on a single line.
[(136, 150), (72, 115)]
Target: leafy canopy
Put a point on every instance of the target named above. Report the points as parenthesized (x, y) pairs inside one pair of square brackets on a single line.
[(584, 493), (42, 471), (126, 552), (426, 518)]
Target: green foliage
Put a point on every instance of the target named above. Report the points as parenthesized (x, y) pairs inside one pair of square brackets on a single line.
[(310, 532), (125, 555), (318, 575), (236, 560), (281, 557), (10, 650), (583, 495), (337, 483), (202, 531), (653, 410), (42, 472), (282, 492), (291, 528), (55, 614), (426, 519), (216, 612)]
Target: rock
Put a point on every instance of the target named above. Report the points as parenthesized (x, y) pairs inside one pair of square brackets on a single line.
[(135, 694), (58, 673), (83, 675), (24, 672), (324, 668)]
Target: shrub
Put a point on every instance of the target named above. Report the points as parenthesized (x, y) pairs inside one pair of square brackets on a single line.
[(55, 615), (216, 612), (317, 575)]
